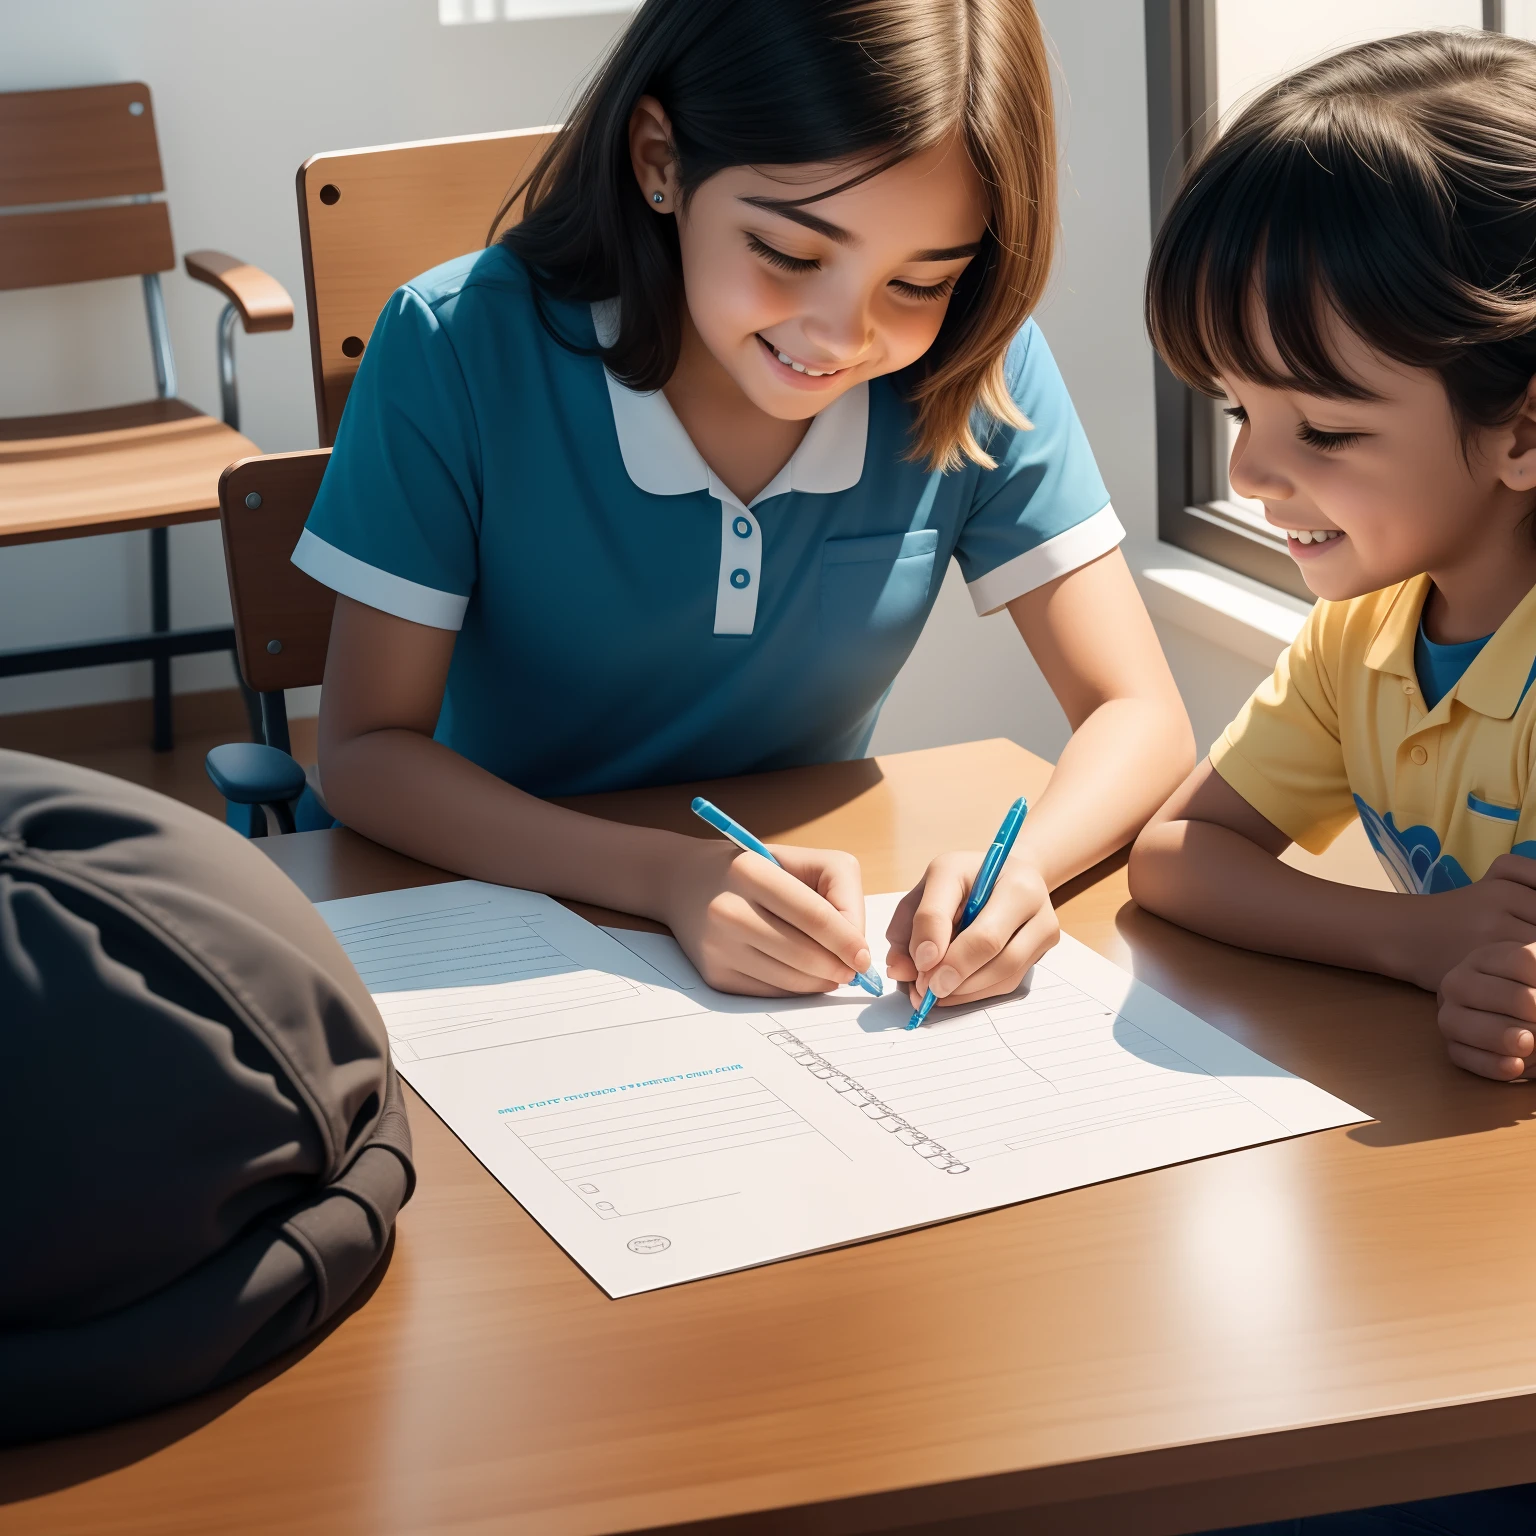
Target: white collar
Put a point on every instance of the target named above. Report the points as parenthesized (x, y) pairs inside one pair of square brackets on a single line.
[(660, 458)]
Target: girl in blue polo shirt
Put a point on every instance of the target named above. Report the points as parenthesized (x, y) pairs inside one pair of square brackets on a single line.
[(663, 484)]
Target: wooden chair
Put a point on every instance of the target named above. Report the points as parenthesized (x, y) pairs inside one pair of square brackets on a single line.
[(369, 220), (282, 627), (80, 185)]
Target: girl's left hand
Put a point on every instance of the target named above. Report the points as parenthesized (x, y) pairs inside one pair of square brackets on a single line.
[(1017, 926)]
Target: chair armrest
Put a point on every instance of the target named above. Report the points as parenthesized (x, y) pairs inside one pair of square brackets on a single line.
[(248, 773), (262, 301)]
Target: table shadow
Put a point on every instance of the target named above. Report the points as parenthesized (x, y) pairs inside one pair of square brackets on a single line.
[(768, 803), (1366, 1039), (40, 1467)]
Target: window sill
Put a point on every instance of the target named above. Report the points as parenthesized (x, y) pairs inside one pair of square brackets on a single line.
[(1220, 605)]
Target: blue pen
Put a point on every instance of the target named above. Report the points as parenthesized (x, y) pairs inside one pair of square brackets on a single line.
[(870, 980), (986, 879)]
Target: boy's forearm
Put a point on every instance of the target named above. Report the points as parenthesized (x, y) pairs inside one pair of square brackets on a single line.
[(1215, 881), (412, 793)]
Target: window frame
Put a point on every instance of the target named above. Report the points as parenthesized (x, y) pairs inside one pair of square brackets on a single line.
[(1181, 103), (1181, 111)]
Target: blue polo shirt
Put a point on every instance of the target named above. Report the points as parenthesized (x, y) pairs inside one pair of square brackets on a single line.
[(623, 619)]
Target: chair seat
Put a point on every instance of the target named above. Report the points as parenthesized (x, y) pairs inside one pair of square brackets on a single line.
[(130, 466)]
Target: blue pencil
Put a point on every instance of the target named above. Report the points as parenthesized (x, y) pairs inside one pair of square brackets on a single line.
[(981, 890), (871, 980)]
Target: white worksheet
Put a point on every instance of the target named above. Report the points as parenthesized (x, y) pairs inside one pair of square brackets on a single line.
[(661, 1132)]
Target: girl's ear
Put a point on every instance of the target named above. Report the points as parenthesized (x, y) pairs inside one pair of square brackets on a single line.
[(650, 152)]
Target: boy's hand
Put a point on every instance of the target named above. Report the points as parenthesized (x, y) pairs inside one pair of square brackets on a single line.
[(753, 928), (1488, 1010), (1498, 909), (1017, 926)]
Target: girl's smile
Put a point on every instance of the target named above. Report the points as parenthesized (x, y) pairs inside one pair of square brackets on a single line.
[(797, 374), (800, 286)]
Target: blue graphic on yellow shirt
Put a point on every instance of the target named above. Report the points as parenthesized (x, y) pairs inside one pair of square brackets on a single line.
[(1413, 858)]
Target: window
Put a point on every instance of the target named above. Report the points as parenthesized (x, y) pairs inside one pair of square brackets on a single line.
[(1203, 58)]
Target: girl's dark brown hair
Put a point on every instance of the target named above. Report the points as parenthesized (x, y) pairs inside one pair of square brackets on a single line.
[(1392, 185), (799, 82)]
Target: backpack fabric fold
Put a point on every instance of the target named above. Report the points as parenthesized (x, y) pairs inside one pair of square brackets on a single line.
[(204, 1143)]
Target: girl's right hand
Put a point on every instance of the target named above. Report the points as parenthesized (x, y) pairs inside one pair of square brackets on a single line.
[(764, 931)]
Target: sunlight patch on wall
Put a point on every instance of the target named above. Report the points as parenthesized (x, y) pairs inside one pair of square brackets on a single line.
[(456, 13)]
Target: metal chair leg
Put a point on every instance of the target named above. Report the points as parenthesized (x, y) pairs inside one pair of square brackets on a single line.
[(160, 623), (274, 720), (252, 704)]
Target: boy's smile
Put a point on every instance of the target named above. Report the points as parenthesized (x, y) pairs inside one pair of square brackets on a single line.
[(1310, 543), (1373, 490)]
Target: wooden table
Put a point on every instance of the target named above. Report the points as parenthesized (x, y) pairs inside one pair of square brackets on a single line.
[(1331, 1321)]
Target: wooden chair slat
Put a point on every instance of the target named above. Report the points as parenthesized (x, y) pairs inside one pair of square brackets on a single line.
[(70, 145), (372, 219), (135, 466), (273, 600), (79, 245)]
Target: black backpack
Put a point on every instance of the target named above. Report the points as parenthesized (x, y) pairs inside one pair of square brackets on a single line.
[(203, 1146)]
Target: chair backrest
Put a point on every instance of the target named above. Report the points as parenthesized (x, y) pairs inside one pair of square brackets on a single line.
[(371, 219), (85, 164), (282, 616)]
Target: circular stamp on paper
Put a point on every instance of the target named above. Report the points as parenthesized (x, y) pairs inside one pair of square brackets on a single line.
[(653, 1243)]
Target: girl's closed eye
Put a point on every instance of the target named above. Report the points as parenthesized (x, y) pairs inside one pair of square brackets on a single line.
[(781, 259), (940, 290), (787, 263)]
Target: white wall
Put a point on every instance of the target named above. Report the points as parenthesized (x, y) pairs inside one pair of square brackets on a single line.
[(243, 93), (240, 103), (970, 677)]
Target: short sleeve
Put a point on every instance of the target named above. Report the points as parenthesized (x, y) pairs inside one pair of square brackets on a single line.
[(1043, 511), (396, 522), (1283, 754)]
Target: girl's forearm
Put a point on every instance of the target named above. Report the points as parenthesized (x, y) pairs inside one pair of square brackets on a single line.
[(412, 793), (1215, 881), (1121, 764)]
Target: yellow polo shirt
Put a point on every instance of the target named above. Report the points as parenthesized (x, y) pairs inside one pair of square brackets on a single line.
[(1341, 728)]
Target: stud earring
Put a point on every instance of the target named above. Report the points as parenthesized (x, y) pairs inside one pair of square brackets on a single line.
[(658, 197)]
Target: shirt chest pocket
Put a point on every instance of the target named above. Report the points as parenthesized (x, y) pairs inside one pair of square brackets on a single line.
[(1489, 826), (881, 583)]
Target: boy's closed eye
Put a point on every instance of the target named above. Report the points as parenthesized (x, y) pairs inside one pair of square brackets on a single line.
[(1314, 437), (1326, 442)]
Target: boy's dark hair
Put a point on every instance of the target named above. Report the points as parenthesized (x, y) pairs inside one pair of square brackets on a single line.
[(797, 82), (1393, 185)]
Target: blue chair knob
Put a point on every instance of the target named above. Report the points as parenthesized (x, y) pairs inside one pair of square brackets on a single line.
[(250, 774)]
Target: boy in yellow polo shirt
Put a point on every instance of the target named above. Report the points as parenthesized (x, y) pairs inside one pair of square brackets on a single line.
[(1351, 266)]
